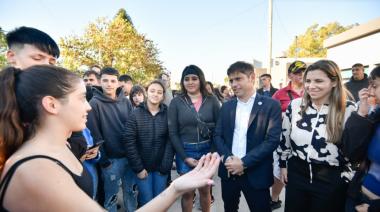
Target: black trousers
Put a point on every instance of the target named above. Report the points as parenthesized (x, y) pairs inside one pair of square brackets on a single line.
[(326, 192), (258, 200)]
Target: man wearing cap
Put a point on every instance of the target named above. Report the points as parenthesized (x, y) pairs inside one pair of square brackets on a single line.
[(295, 87), (292, 91)]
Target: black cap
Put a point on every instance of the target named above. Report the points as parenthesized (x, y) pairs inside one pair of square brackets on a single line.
[(297, 67)]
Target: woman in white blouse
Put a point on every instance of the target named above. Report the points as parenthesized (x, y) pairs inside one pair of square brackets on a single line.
[(312, 165)]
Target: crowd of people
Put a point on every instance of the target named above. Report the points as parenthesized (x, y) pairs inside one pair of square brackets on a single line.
[(77, 140)]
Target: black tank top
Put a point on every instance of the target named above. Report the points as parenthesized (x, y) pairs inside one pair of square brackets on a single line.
[(84, 181)]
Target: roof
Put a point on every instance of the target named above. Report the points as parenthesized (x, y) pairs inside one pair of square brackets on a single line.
[(355, 33)]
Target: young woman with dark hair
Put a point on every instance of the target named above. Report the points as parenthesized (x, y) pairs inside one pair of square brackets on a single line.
[(146, 138), (39, 109), (137, 95), (192, 116)]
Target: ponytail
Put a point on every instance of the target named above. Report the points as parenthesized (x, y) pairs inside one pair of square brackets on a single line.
[(11, 128), (21, 93)]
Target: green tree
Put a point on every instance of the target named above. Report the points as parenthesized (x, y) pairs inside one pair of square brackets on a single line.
[(3, 49), (114, 43), (124, 15), (310, 44)]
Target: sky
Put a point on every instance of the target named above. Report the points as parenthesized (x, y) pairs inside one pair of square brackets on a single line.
[(211, 34)]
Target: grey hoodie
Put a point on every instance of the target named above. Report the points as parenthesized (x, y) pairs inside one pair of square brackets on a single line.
[(106, 121)]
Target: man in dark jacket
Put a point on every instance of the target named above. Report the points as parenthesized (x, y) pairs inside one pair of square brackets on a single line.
[(267, 89), (358, 81), (247, 132), (110, 111)]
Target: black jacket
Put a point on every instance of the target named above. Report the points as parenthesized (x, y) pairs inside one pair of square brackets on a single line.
[(271, 91), (263, 137), (78, 144), (106, 121), (356, 137), (183, 124), (354, 86), (146, 139)]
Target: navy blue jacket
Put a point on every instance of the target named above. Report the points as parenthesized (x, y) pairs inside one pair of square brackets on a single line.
[(263, 137)]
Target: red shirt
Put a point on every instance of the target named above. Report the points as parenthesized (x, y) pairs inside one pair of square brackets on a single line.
[(283, 96)]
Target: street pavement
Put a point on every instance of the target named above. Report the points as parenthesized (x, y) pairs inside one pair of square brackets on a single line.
[(218, 204)]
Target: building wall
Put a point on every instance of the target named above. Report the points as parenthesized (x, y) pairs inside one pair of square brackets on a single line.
[(357, 45), (365, 50)]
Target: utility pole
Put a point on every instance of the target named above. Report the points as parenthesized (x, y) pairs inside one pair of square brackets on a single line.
[(296, 50), (270, 19)]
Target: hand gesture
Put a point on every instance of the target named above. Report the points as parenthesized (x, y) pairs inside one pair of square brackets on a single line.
[(142, 175), (92, 153), (362, 208), (200, 176), (234, 165), (191, 162), (364, 104)]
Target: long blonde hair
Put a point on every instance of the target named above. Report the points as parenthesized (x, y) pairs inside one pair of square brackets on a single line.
[(337, 99)]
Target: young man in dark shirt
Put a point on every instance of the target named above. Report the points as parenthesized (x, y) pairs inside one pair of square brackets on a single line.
[(106, 120), (28, 47)]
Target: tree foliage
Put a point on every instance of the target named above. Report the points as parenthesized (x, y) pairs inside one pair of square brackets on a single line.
[(113, 43), (3, 49), (124, 15), (310, 44)]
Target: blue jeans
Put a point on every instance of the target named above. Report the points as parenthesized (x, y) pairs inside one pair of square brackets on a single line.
[(151, 186), (119, 173), (192, 150)]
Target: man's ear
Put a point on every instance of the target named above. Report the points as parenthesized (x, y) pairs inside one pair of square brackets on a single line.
[(11, 57), (50, 104), (252, 76)]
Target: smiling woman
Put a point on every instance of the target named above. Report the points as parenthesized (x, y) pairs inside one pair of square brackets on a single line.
[(41, 107), (312, 163), (146, 139), (192, 116)]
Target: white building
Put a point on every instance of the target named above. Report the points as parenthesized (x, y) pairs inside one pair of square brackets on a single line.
[(361, 44)]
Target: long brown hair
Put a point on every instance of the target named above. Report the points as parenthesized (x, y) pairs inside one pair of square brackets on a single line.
[(11, 129), (337, 99), (21, 93)]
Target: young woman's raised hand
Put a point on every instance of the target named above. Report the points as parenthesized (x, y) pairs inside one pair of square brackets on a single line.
[(200, 176)]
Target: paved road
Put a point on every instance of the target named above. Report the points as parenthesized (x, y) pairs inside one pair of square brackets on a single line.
[(218, 204)]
